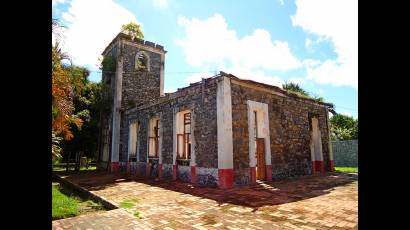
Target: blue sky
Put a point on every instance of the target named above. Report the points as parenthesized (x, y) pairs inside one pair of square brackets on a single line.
[(313, 43)]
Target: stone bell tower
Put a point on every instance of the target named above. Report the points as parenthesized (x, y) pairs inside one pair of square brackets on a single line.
[(136, 78)]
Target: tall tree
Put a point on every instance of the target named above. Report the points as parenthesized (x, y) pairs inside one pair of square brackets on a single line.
[(64, 87)]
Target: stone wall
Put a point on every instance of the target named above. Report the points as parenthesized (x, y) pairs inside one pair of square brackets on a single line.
[(345, 153), (201, 99), (138, 88), (289, 133)]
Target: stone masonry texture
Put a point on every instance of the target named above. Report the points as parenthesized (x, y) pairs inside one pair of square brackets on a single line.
[(289, 122), (289, 133), (345, 153)]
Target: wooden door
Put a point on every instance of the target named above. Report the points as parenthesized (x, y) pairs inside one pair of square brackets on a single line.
[(260, 159)]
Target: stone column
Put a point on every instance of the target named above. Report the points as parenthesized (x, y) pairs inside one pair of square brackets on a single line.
[(193, 162), (160, 147), (116, 121), (224, 133), (331, 161)]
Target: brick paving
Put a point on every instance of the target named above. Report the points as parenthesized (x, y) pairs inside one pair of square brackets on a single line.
[(308, 202)]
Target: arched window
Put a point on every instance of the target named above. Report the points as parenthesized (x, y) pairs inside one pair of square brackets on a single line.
[(142, 61)]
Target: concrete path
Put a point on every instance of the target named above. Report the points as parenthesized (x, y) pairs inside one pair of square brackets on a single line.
[(309, 202)]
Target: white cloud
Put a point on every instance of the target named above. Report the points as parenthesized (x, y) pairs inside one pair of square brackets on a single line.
[(255, 75), (210, 44), (337, 21), (281, 2), (92, 25), (55, 2), (346, 113), (160, 3), (296, 80)]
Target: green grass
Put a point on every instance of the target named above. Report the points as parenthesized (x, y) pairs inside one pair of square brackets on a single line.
[(130, 203), (63, 206), (346, 169), (137, 214), (62, 168)]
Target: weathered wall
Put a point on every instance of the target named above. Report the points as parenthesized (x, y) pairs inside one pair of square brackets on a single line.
[(289, 133), (201, 98), (345, 153), (138, 88)]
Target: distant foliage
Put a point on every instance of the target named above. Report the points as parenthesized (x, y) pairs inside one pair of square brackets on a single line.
[(344, 127), (108, 64), (293, 87), (133, 29)]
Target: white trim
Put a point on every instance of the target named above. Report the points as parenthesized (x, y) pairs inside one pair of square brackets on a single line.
[(224, 123), (193, 157), (316, 140), (161, 75), (116, 121), (174, 138), (262, 113), (329, 140), (160, 140)]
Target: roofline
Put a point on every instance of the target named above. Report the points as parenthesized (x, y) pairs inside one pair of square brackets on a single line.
[(122, 35)]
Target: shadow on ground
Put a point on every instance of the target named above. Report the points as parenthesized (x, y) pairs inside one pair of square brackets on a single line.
[(254, 196)]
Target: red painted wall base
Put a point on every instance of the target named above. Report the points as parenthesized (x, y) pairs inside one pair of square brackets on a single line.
[(332, 165), (128, 167), (318, 167), (174, 172), (225, 178), (148, 170), (268, 172), (114, 167), (253, 175), (193, 174), (159, 171)]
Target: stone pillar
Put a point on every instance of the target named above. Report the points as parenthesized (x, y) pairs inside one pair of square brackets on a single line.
[(331, 161), (116, 121), (193, 161), (224, 133), (316, 147), (161, 75), (160, 147), (262, 113), (174, 149)]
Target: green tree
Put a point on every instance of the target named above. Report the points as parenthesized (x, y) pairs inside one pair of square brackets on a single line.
[(343, 127), (293, 87), (64, 87), (133, 29)]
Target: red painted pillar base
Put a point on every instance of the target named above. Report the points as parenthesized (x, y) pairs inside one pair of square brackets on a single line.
[(268, 172), (148, 170), (114, 167), (159, 171), (128, 167), (137, 169), (318, 167), (253, 175), (193, 174), (225, 178), (174, 172), (332, 165)]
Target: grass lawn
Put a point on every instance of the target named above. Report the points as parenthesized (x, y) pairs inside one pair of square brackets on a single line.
[(62, 168), (65, 204), (346, 169)]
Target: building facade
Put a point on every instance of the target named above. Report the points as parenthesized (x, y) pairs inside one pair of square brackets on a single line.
[(222, 131)]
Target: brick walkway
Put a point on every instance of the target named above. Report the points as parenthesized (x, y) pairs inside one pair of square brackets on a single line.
[(309, 202)]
